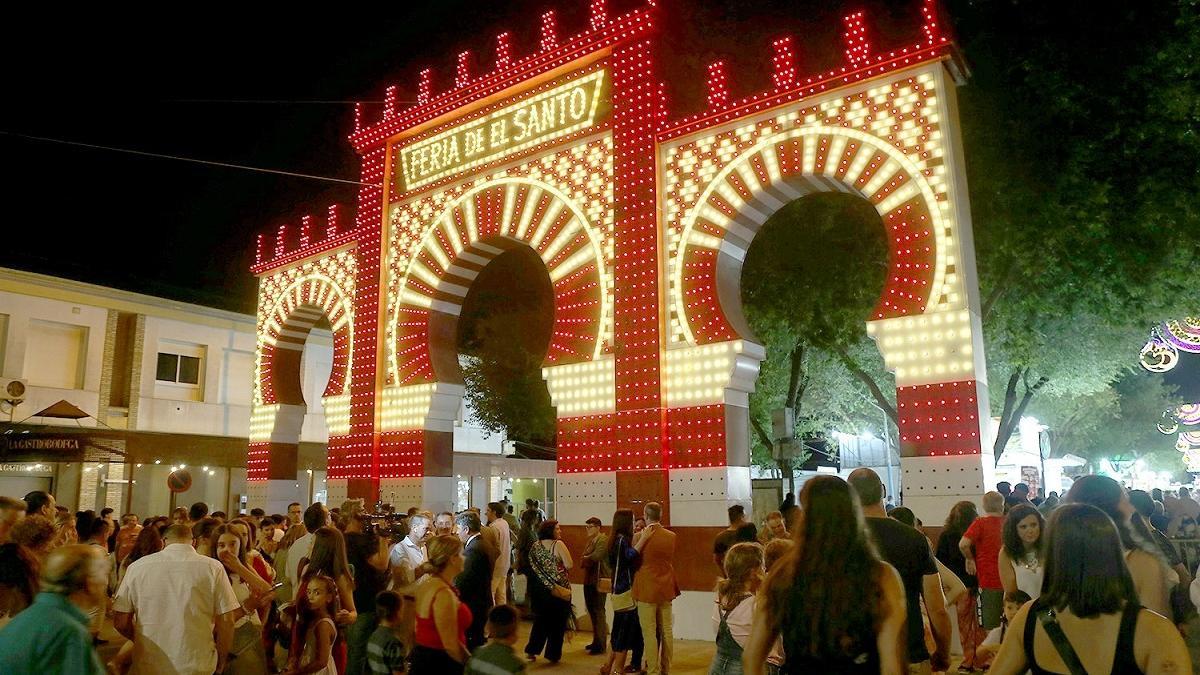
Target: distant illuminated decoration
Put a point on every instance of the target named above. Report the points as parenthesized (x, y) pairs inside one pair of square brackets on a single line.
[(1161, 352)]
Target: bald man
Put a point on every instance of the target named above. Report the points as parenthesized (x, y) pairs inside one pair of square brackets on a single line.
[(171, 604)]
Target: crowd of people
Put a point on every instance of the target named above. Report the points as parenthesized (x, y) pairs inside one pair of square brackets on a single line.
[(1089, 583), (321, 591), (834, 582)]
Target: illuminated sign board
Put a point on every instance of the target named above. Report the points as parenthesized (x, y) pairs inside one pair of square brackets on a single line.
[(551, 114), (30, 442)]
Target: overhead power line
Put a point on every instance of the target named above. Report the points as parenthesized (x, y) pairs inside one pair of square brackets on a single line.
[(227, 165), (275, 102)]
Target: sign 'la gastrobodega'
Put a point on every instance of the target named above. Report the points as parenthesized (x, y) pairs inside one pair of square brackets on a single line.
[(551, 114)]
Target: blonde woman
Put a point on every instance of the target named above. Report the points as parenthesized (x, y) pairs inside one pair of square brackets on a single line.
[(441, 635), (733, 611)]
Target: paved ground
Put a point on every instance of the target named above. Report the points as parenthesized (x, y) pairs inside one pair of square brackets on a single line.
[(690, 656)]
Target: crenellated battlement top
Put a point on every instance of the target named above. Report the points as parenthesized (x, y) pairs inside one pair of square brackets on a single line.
[(288, 247), (861, 62), (604, 31)]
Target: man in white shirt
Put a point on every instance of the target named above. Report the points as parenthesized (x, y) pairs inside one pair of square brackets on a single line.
[(315, 517), (409, 553), (169, 604), (495, 520)]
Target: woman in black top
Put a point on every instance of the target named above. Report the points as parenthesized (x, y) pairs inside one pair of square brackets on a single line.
[(1089, 594), (838, 608), (970, 633)]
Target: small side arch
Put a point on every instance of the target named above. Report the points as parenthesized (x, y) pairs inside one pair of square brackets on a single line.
[(288, 322)]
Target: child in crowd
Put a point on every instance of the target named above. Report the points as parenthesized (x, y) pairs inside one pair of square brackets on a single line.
[(318, 631), (385, 650), (1013, 601), (497, 656)]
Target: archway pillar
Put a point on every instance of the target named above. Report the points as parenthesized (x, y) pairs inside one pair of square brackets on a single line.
[(272, 462), (415, 459), (941, 405), (707, 390)]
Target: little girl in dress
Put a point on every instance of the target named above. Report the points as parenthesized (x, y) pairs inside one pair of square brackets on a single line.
[(316, 614)]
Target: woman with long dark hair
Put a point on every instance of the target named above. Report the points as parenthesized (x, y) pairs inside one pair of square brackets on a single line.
[(328, 557), (1021, 551), (623, 560), (148, 541), (839, 608), (970, 633), (1149, 571), (1089, 595)]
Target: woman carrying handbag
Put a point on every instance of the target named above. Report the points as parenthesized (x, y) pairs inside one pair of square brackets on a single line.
[(624, 560), (549, 592)]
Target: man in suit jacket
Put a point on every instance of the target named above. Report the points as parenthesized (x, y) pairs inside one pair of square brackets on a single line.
[(654, 589), (474, 584)]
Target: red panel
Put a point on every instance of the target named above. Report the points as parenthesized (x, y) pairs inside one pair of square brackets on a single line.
[(401, 453), (939, 419), (696, 437)]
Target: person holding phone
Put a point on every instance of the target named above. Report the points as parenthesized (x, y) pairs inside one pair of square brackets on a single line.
[(247, 656)]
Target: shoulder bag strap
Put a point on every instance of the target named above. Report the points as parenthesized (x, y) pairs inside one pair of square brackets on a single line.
[(617, 567), (1059, 639)]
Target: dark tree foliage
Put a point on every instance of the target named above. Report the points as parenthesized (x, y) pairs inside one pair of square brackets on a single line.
[(813, 274), (1080, 134), (504, 332)]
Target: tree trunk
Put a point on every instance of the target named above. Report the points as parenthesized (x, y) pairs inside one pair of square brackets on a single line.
[(1010, 416), (866, 379), (797, 380), (1002, 285), (784, 465), (762, 433)]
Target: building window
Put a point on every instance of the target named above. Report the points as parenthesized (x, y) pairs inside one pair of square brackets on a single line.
[(56, 354), (178, 368)]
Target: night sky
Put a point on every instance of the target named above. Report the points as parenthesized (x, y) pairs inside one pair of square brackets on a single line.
[(274, 90)]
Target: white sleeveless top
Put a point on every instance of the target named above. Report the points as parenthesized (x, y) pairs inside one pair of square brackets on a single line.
[(242, 591), (1029, 579), (310, 649)]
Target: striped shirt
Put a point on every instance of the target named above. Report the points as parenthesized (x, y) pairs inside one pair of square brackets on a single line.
[(385, 652), (494, 658)]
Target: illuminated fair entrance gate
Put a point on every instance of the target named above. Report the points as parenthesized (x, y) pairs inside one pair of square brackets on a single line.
[(643, 222)]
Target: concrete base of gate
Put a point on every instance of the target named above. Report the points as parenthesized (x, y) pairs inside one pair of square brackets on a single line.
[(430, 493), (692, 612), (580, 496), (933, 485), (273, 496), (702, 497)]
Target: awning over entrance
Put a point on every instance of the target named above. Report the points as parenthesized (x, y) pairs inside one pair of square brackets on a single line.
[(62, 410)]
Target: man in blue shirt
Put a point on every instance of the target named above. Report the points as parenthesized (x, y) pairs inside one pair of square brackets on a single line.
[(51, 636)]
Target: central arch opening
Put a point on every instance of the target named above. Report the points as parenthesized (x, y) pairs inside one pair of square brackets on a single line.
[(503, 335), (808, 284)]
